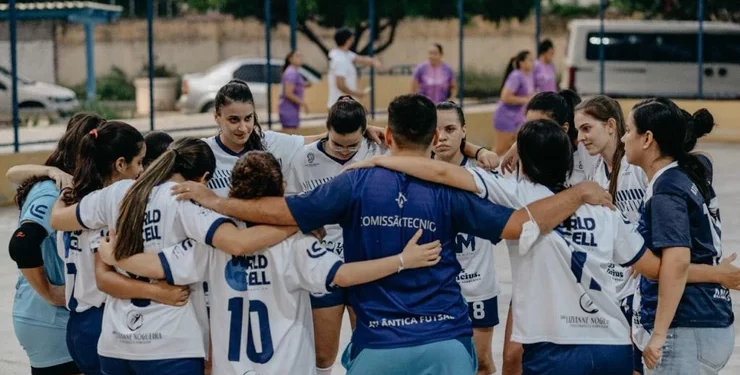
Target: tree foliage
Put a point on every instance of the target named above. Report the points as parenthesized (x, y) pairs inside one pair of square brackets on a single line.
[(355, 13), (720, 10)]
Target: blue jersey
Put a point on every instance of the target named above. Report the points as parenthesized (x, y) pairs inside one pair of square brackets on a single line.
[(674, 214), (28, 305), (379, 211)]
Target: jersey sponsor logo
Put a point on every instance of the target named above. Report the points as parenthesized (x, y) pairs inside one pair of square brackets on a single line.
[(616, 274), (723, 294), (316, 251), (580, 230), (72, 242), (401, 200), (407, 321), (465, 278), (243, 271), (464, 243), (151, 225), (398, 222), (310, 157), (134, 320), (587, 305), (336, 247)]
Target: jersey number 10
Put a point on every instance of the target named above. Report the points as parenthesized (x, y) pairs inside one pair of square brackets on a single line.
[(259, 338)]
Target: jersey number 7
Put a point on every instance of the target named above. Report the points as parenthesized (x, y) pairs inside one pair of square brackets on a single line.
[(259, 338)]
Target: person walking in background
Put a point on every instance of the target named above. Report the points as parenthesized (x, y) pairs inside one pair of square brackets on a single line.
[(544, 74), (434, 78), (342, 72), (516, 91), (291, 98)]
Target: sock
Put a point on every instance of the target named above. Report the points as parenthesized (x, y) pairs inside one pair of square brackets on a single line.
[(324, 371)]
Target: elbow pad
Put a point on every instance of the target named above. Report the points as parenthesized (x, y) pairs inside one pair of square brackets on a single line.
[(25, 245)]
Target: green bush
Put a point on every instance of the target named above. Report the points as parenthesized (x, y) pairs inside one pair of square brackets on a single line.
[(481, 84), (568, 11), (114, 85)]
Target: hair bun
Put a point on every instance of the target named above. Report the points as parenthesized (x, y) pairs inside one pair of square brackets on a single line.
[(703, 122), (570, 97)]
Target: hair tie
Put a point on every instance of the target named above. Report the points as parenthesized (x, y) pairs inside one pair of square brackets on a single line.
[(94, 133)]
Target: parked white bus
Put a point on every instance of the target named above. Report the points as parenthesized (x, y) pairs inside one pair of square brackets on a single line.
[(653, 58)]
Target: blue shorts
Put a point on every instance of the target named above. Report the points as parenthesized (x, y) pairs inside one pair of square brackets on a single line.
[(484, 314), (178, 366), (339, 296), (552, 359), (636, 353), (45, 346), (83, 332), (455, 356)]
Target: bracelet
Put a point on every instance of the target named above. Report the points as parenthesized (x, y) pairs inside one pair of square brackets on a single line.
[(478, 152), (401, 267)]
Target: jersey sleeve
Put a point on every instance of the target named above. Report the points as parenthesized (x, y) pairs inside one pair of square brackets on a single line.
[(326, 204), (418, 73), (292, 181), (513, 82), (38, 205), (629, 246), (283, 147), (669, 225), (100, 208), (185, 263), (314, 267), (200, 223), (495, 188), (478, 217)]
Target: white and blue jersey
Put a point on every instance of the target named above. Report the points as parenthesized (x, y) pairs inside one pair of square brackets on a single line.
[(674, 214), (78, 249), (282, 146), (631, 184), (139, 329), (28, 305), (379, 211)]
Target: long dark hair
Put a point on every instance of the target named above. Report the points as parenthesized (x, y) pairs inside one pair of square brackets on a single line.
[(256, 174), (603, 108), (99, 150), (65, 154), (156, 144), (545, 153), (452, 106), (560, 107), (514, 63), (669, 127), (286, 64), (238, 91), (190, 157)]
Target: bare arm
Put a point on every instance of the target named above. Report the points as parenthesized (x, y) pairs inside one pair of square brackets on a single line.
[(250, 240), (116, 285), (413, 256), (366, 61), (290, 94), (53, 294), (142, 264), (64, 218), (508, 97), (453, 89), (414, 86), (342, 86)]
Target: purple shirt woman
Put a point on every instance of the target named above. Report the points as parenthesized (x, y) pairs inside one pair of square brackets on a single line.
[(518, 88), (545, 77), (434, 79), (291, 98)]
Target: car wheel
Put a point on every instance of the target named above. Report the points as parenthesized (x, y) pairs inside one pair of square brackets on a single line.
[(209, 107)]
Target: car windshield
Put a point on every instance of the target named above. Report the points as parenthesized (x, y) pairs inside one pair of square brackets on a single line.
[(22, 79)]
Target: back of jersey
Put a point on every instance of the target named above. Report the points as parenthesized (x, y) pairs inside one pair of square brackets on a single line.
[(144, 329), (77, 249), (565, 271)]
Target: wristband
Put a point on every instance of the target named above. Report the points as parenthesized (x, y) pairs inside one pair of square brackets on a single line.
[(478, 152)]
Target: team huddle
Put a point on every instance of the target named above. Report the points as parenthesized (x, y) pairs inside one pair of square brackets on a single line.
[(239, 253)]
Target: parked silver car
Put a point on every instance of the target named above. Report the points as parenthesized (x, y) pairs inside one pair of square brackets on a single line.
[(199, 89), (36, 96)]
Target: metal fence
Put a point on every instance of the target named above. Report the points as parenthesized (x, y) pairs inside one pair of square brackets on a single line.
[(292, 7)]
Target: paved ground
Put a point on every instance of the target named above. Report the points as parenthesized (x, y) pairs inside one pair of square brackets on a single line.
[(727, 181)]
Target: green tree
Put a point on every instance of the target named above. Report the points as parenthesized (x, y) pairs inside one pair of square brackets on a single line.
[(354, 14), (721, 10)]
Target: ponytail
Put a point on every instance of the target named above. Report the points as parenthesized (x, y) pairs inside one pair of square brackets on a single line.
[(133, 207), (190, 157), (96, 157), (514, 63), (697, 172)]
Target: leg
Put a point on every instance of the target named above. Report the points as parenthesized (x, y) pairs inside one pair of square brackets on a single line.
[(484, 315), (503, 141), (512, 350), (482, 338), (328, 311), (69, 368)]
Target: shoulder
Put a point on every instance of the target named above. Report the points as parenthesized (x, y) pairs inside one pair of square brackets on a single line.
[(674, 181)]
